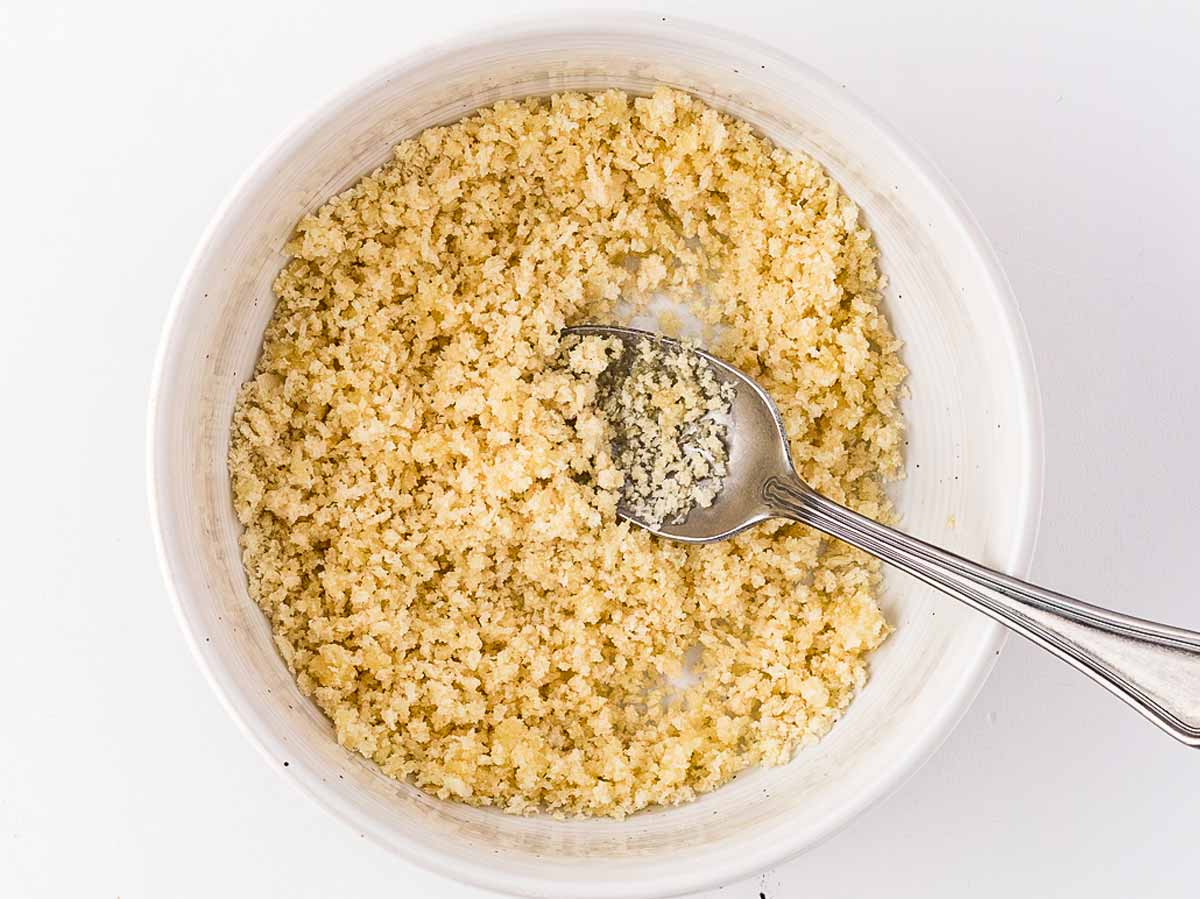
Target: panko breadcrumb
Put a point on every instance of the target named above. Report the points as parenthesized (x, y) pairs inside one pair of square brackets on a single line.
[(429, 501)]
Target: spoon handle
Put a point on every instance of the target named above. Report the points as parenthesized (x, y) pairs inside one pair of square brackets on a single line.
[(1153, 667)]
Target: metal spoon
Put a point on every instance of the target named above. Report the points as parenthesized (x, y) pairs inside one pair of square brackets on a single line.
[(1153, 667)]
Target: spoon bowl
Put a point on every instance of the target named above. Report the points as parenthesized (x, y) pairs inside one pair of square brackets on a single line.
[(755, 440)]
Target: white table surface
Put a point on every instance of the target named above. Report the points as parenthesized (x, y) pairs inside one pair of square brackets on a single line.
[(1072, 132)]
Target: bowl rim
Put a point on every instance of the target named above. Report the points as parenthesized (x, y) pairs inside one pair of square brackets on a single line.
[(764, 855)]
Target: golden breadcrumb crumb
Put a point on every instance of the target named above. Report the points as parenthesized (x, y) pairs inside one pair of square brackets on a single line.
[(429, 500)]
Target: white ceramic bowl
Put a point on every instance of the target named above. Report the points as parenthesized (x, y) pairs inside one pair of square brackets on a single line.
[(974, 462)]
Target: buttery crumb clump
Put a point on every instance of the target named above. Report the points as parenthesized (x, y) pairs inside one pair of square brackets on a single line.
[(429, 500), (663, 407)]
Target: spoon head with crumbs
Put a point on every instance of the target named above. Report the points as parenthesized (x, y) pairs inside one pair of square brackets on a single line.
[(754, 442)]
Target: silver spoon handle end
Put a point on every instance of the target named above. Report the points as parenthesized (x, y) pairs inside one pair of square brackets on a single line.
[(1153, 667)]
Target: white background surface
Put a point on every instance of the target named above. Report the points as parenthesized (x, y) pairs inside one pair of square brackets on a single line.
[(1073, 132)]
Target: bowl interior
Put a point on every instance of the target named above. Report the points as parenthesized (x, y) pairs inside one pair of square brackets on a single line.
[(973, 460)]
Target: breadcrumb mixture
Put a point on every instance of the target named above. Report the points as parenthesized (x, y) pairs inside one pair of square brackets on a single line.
[(429, 501), (662, 405)]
